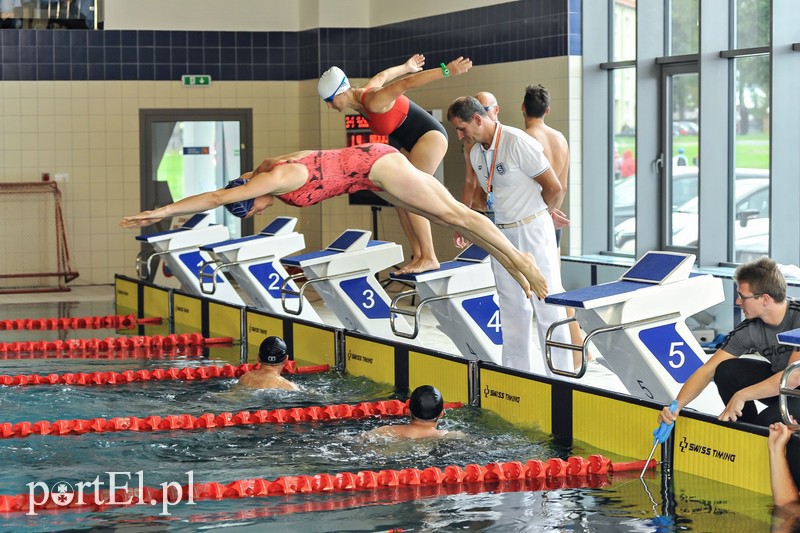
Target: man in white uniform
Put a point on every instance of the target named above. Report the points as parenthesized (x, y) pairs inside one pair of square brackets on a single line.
[(511, 167)]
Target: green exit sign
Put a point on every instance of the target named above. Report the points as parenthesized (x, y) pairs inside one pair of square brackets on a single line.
[(196, 81)]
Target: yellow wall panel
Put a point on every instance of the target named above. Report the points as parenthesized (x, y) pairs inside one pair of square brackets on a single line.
[(224, 321), (187, 314), (519, 400), (372, 360), (126, 297), (450, 377), (608, 424), (314, 346), (721, 453)]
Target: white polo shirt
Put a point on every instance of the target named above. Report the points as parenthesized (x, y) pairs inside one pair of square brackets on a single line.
[(520, 159)]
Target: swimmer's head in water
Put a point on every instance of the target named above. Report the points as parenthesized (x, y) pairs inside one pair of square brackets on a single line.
[(242, 207), (272, 351), (332, 82), (426, 403)]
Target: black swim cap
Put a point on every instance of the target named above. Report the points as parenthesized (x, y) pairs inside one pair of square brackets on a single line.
[(426, 402), (272, 351)]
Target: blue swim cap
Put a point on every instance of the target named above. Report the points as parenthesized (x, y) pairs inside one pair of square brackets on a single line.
[(272, 351), (242, 207), (426, 403)]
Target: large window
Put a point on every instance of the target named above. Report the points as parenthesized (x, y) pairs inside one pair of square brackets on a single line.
[(750, 209), (712, 76)]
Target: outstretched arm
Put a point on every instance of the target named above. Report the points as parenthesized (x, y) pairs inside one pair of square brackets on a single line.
[(414, 64), (259, 183), (379, 100), (784, 489), (698, 381)]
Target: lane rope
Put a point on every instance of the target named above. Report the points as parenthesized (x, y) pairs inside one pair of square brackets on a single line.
[(555, 473), (165, 342), (87, 322), (156, 374), (382, 409)]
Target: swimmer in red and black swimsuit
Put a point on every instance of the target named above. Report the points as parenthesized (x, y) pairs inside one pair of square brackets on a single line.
[(335, 172), (409, 127), (305, 178)]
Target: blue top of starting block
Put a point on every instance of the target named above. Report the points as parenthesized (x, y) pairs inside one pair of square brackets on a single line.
[(653, 267), (580, 297), (295, 260), (790, 337), (276, 225)]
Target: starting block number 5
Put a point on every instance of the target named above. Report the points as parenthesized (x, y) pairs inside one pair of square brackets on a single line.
[(671, 350)]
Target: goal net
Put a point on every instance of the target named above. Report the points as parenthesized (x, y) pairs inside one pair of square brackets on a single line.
[(34, 255)]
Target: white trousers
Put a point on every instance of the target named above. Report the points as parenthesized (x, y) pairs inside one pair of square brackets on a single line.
[(520, 349)]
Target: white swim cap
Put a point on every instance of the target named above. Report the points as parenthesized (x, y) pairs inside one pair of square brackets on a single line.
[(332, 82)]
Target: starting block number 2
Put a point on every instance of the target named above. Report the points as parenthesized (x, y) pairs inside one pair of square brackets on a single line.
[(671, 350)]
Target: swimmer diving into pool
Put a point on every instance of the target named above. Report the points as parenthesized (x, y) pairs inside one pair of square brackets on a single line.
[(426, 405), (308, 177), (272, 355)]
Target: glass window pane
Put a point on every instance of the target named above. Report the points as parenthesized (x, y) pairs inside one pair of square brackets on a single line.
[(684, 37), (624, 31), (750, 212), (752, 23), (682, 167), (623, 185)]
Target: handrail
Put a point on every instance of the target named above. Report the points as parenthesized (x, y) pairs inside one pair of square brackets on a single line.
[(783, 392), (548, 344), (225, 265), (418, 309), (302, 289), (156, 254), (213, 275)]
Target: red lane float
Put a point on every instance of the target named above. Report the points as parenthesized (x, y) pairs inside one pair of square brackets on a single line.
[(382, 409), (156, 374), (88, 322), (165, 342), (144, 352), (577, 472)]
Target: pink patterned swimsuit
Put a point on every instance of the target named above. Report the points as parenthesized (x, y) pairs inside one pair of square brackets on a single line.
[(335, 172)]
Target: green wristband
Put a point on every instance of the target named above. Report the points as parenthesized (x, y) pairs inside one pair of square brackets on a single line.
[(445, 70)]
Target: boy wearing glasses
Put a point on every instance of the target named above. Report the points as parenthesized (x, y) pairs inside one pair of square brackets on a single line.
[(762, 298)]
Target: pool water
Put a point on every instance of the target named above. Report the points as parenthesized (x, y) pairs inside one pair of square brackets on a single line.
[(616, 503)]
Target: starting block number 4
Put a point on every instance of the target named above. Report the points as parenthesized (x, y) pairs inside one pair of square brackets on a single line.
[(486, 314), (671, 351)]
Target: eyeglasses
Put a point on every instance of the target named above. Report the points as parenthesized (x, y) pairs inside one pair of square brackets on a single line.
[(743, 297), (488, 107)]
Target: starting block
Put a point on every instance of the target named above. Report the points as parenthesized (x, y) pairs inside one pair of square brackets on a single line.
[(462, 297), (344, 275), (255, 264), (638, 324), (181, 252)]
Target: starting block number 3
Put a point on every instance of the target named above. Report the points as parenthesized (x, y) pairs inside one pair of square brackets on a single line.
[(671, 350), (364, 296)]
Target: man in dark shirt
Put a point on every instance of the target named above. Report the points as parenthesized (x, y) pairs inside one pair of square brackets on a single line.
[(740, 381)]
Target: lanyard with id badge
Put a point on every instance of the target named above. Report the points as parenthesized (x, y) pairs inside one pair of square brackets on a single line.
[(490, 175)]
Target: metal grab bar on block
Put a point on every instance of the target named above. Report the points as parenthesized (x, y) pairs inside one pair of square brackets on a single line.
[(418, 309), (205, 275), (584, 348), (784, 392), (299, 293)]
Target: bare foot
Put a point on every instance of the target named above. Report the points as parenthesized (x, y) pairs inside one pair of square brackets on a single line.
[(534, 276), (423, 265)]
